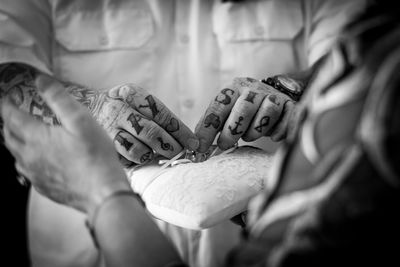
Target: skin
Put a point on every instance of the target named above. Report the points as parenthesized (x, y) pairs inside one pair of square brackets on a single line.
[(135, 120), (96, 175), (247, 109)]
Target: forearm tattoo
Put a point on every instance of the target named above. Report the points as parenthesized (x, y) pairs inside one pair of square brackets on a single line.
[(85, 96), (17, 81)]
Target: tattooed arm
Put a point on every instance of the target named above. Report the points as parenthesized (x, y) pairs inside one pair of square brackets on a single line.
[(95, 185), (138, 122)]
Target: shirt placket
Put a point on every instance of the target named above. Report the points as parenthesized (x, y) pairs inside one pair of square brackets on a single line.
[(183, 40)]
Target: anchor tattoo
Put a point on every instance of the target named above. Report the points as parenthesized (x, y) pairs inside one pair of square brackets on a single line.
[(151, 105), (263, 122), (165, 146), (234, 131)]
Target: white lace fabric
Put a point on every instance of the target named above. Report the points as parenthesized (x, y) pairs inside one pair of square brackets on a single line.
[(200, 195)]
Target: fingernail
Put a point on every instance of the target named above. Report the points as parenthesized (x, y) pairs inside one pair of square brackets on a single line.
[(43, 82), (193, 144)]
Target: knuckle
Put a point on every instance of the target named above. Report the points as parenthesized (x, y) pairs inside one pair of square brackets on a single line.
[(129, 88)]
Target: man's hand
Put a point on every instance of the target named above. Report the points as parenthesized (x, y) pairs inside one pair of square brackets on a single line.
[(72, 163), (139, 124), (248, 109)]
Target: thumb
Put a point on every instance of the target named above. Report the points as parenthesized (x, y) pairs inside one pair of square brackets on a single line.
[(70, 113)]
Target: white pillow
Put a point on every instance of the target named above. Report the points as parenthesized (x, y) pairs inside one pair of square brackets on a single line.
[(200, 195)]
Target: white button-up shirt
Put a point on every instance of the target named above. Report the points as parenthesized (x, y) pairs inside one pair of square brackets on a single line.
[(183, 51)]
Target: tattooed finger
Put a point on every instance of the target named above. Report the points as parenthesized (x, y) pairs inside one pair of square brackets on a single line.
[(150, 133), (130, 147), (214, 118), (240, 118), (153, 109), (266, 117)]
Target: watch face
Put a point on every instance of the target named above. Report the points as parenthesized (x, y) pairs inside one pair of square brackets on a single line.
[(289, 84)]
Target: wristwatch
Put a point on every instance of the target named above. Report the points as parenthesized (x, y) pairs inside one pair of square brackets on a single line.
[(294, 89)]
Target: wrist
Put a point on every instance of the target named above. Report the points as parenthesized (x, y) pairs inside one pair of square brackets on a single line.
[(94, 215), (100, 193)]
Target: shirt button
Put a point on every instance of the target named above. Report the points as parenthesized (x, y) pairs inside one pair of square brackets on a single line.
[(188, 103), (103, 40), (184, 38), (259, 30)]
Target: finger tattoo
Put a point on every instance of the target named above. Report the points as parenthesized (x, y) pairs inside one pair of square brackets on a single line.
[(165, 146), (224, 98), (134, 120), (123, 141), (173, 126), (234, 131), (263, 122), (212, 120), (273, 99), (145, 157), (151, 105), (250, 97)]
